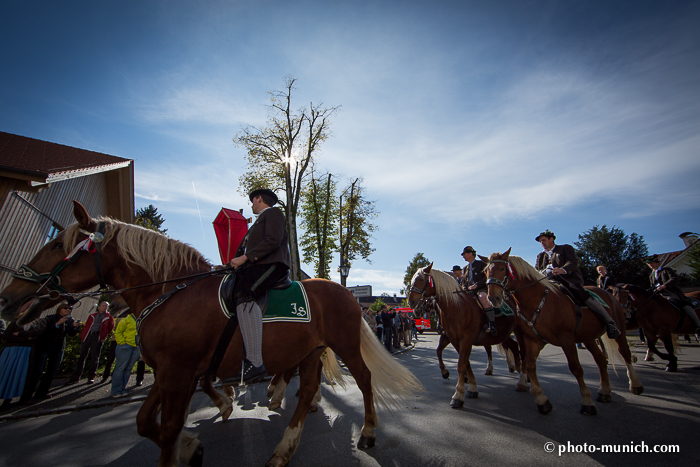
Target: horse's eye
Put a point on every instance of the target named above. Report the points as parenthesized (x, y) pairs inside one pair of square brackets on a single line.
[(57, 246)]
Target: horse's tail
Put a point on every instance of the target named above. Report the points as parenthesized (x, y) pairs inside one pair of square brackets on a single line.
[(331, 369), (391, 381), (613, 349)]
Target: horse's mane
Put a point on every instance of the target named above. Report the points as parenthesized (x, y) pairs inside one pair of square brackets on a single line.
[(154, 252), (445, 284), (524, 270)]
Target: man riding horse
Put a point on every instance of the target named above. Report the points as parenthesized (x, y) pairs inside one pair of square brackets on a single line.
[(560, 264), (474, 280), (261, 261), (665, 281)]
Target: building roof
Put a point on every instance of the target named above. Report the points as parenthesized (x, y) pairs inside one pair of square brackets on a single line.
[(43, 162)]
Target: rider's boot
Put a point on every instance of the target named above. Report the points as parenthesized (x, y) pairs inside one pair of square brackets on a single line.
[(595, 306), (694, 316), (250, 320), (491, 326)]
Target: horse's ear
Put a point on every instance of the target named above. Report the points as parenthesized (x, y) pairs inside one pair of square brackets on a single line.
[(81, 215), (484, 259), (507, 253), (428, 268)]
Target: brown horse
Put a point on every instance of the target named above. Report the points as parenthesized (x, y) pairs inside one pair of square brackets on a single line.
[(657, 317), (179, 337), (551, 319), (462, 321)]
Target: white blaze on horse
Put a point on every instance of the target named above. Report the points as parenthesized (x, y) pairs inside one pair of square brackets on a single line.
[(179, 337)]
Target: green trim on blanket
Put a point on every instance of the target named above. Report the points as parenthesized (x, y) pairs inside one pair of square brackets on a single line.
[(504, 310), (288, 305)]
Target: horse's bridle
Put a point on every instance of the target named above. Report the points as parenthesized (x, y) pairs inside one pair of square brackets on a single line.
[(92, 244)]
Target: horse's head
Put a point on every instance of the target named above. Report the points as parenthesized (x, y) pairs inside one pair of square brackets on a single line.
[(496, 276), (422, 286), (51, 272)]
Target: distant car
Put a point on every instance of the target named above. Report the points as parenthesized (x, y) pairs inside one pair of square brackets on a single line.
[(422, 324)]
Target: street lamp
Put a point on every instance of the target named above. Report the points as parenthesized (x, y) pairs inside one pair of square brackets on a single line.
[(344, 273)]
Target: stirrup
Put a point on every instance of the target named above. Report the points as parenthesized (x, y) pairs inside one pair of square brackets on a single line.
[(491, 329)]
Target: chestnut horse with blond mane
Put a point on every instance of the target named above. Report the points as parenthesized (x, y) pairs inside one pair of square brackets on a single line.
[(462, 321), (178, 339), (549, 317)]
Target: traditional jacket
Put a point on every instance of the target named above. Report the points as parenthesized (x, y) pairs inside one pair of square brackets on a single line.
[(478, 277), (563, 256), (266, 241)]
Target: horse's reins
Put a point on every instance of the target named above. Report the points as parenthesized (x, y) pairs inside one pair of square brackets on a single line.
[(92, 245)]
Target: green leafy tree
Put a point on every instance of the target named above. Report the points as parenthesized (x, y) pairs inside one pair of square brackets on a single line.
[(319, 215), (280, 153), (356, 228), (694, 263), (149, 218), (623, 255), (377, 305), (418, 261)]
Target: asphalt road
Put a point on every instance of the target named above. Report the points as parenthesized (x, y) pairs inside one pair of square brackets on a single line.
[(501, 427)]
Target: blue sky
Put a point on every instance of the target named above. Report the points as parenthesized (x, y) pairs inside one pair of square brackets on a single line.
[(472, 123)]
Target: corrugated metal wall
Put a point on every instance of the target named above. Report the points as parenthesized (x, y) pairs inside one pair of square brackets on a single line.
[(23, 231)]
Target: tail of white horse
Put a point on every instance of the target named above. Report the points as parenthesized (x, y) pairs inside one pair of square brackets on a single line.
[(391, 381), (612, 348)]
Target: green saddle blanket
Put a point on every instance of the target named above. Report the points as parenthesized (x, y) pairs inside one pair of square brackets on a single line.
[(504, 310), (286, 305), (590, 292)]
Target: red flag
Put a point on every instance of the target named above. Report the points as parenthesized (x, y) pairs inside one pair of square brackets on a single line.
[(230, 227)]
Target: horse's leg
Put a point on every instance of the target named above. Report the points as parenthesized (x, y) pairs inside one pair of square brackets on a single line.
[(672, 359), (569, 348), (223, 403), (147, 418), (280, 386), (489, 355), (444, 341), (309, 380), (464, 369), (533, 349), (317, 396), (604, 393), (512, 355), (177, 445), (522, 351), (623, 347)]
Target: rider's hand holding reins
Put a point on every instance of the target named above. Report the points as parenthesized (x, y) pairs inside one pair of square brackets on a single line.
[(238, 261)]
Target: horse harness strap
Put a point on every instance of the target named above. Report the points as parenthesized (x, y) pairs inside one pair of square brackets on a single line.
[(531, 323), (160, 300)]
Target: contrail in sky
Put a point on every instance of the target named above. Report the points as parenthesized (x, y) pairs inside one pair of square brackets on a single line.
[(200, 213)]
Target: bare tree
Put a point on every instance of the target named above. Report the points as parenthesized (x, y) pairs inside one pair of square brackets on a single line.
[(279, 154)]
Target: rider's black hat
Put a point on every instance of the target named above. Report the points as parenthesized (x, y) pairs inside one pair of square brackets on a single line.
[(264, 191), (456, 268), (546, 233), (468, 249)]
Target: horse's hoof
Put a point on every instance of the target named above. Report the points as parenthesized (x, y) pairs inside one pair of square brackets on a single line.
[(588, 410), (198, 457), (545, 408), (365, 443), (472, 395), (274, 405), (456, 404), (313, 408), (446, 374), (520, 388), (649, 358), (604, 398), (511, 369), (226, 413), (637, 390), (671, 368), (276, 461), (488, 372)]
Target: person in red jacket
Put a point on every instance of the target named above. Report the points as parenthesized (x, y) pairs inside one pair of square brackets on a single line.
[(97, 328)]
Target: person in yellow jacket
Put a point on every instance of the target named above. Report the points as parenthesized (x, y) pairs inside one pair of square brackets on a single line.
[(127, 353)]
